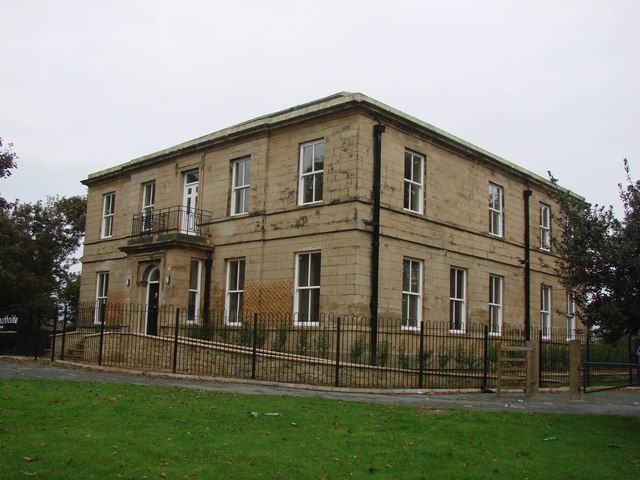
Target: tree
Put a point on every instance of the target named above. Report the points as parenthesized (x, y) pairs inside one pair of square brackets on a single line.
[(599, 259), (37, 244)]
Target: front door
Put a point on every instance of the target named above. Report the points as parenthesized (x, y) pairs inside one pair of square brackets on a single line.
[(153, 294), (190, 202)]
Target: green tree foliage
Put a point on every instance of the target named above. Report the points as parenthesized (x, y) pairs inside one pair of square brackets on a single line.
[(38, 242), (599, 259)]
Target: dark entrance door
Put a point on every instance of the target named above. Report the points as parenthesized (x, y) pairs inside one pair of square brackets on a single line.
[(152, 309), (153, 293)]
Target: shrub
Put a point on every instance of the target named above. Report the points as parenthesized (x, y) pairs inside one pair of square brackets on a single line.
[(403, 357), (383, 353), (427, 357), (467, 359), (444, 357), (302, 343), (323, 343), (280, 341), (358, 349)]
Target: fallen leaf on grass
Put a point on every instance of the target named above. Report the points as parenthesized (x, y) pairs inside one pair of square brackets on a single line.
[(29, 474), (28, 459)]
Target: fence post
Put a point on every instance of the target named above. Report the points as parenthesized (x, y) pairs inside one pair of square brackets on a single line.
[(421, 359), (64, 332), (53, 337), (255, 346), (630, 359), (175, 341), (102, 315), (587, 372), (338, 352), (485, 360), (540, 359), (38, 327), (574, 370)]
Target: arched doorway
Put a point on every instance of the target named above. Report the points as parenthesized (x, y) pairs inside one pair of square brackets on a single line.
[(153, 294)]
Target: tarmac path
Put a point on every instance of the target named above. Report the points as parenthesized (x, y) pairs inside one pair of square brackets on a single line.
[(624, 402)]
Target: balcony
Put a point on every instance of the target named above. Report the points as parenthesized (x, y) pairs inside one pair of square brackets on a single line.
[(172, 226)]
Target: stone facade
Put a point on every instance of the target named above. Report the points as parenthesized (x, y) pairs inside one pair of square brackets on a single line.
[(451, 231)]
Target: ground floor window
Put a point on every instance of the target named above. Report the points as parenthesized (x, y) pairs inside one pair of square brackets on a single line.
[(495, 304), (193, 310), (411, 293), (571, 315), (102, 288), (234, 301), (457, 299), (306, 306), (545, 311)]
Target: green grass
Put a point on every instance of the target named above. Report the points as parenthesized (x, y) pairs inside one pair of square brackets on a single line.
[(92, 430)]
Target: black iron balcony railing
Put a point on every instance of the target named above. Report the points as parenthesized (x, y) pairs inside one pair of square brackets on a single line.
[(180, 219)]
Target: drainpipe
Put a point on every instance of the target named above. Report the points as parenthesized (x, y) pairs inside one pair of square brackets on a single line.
[(208, 262), (527, 266), (378, 130)]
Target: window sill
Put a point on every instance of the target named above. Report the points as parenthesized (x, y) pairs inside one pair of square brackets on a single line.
[(306, 324), (318, 202), (413, 212), (406, 328), (459, 332)]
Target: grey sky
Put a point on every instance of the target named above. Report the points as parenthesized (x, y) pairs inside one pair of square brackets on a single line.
[(548, 85)]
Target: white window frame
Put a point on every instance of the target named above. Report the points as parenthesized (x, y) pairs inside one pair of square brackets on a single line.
[(298, 288), (102, 291), (238, 186), (148, 204), (411, 293), (496, 285), (313, 173), (108, 213), (496, 211), (455, 297), (545, 227), (571, 315), (196, 291), (545, 311), (237, 290), (412, 183)]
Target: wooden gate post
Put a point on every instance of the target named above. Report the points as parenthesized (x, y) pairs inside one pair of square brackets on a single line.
[(574, 370), (533, 368)]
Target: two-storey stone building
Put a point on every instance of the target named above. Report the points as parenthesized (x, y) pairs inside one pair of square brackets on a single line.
[(340, 205)]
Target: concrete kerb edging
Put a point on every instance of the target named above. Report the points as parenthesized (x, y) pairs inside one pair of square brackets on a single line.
[(295, 386)]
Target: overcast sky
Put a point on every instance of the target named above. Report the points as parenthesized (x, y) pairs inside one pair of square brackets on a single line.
[(85, 85)]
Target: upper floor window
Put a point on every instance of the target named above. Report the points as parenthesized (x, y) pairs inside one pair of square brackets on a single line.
[(193, 309), (148, 204), (495, 304), (311, 172), (413, 181), (235, 292), (102, 289), (411, 293), (306, 306), (545, 311), (108, 210), (457, 299), (545, 227), (496, 210), (240, 174)]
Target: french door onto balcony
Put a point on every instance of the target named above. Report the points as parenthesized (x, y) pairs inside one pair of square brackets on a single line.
[(190, 202)]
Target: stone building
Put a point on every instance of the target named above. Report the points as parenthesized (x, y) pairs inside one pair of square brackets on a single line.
[(340, 205)]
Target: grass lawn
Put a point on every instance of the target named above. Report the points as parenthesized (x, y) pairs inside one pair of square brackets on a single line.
[(55, 429)]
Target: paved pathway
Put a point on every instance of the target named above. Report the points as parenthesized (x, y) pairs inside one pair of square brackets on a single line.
[(612, 402)]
